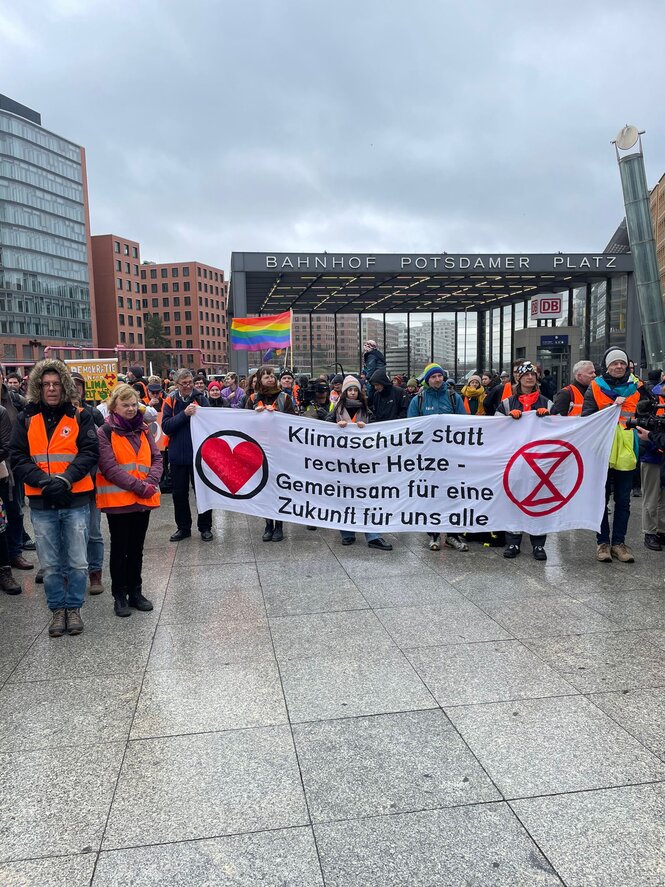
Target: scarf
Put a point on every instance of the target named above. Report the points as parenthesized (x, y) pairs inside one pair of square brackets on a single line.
[(355, 411), (613, 388), (528, 400), (476, 398), (128, 425)]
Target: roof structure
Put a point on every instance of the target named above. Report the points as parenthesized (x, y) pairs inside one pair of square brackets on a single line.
[(346, 283)]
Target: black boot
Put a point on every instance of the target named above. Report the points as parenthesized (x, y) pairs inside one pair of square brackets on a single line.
[(7, 582), (136, 600), (120, 605), (268, 532), (278, 534)]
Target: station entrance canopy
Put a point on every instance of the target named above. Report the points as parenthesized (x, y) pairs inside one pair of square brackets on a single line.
[(357, 283)]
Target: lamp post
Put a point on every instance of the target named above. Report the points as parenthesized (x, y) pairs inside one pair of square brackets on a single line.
[(642, 244)]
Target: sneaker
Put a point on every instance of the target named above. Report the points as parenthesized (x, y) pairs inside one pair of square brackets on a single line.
[(603, 553), (58, 623), (622, 553), (539, 553), (511, 551), (96, 584), (456, 543), (434, 545), (74, 621), (652, 541), (380, 543)]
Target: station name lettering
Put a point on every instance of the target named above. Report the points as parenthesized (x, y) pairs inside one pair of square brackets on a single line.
[(436, 263)]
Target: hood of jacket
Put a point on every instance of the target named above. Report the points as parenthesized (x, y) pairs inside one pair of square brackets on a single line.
[(380, 377), (69, 392)]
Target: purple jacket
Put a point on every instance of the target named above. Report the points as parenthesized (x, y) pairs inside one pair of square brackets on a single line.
[(108, 466), (235, 398)]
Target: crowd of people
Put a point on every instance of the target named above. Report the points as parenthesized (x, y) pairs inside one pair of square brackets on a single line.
[(71, 460)]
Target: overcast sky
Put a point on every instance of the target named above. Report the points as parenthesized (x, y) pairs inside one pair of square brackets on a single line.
[(350, 125)]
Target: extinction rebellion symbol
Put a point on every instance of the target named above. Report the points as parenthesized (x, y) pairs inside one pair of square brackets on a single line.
[(232, 464), (543, 476)]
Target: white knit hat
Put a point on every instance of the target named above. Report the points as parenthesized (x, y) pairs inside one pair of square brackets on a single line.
[(616, 354), (350, 382)]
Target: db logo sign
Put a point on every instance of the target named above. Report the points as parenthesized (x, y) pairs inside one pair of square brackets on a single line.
[(546, 306)]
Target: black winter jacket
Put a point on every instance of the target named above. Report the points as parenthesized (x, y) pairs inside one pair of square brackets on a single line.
[(175, 424)]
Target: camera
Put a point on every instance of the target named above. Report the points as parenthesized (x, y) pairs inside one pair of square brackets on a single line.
[(649, 415), (308, 389)]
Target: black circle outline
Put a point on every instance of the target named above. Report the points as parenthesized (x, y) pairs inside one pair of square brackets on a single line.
[(243, 436)]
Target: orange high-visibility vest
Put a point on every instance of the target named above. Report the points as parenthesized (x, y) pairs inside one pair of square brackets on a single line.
[(136, 464), (576, 400), (627, 407), (54, 456)]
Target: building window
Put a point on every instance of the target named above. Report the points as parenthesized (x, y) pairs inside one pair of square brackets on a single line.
[(123, 337), (136, 270), (188, 331), (188, 315), (118, 282), (131, 338), (198, 271), (136, 286), (127, 267), (164, 272), (165, 287), (155, 303), (130, 304), (126, 249), (116, 246), (190, 344), (153, 287), (216, 277), (128, 286), (185, 286), (178, 343), (143, 274), (200, 286), (135, 252), (130, 320), (176, 315), (118, 265), (177, 330), (121, 319), (167, 330), (165, 303), (185, 272), (176, 286), (139, 322), (120, 302), (176, 301), (140, 338), (167, 315), (144, 288), (153, 273), (187, 300), (174, 272)]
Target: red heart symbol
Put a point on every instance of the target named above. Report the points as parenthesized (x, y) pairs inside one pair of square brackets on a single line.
[(233, 467)]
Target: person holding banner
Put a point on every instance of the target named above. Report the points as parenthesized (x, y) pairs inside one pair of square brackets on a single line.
[(269, 397), (617, 385), (233, 393), (130, 468), (525, 398)]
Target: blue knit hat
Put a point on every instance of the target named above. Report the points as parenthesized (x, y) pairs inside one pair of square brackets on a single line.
[(432, 368)]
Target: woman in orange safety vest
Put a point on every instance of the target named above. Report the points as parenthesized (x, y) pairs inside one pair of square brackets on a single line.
[(130, 468)]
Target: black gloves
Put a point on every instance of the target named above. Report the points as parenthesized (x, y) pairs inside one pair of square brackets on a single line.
[(56, 492)]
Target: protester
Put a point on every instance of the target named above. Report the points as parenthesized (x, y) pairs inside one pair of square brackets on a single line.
[(269, 397), (138, 383), (526, 398), (287, 384), (95, 538), (130, 468), (250, 388), (7, 582), (547, 385), (352, 409), (388, 401), (411, 388), (503, 390), (373, 359), (53, 450), (215, 398), (233, 392), (569, 401), (321, 406), (14, 381), (201, 385), (617, 385), (11, 489), (336, 389), (652, 468), (473, 396), (178, 411)]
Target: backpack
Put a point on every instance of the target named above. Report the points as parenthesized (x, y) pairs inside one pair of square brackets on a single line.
[(421, 397)]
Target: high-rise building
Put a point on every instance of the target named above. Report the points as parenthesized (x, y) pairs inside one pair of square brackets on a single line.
[(191, 299), (46, 294), (119, 308)]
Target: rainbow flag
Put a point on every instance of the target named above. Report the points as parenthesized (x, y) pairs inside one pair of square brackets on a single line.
[(260, 333)]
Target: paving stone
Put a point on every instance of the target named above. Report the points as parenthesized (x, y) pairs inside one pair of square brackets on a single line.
[(603, 661), (542, 746), (474, 846), (360, 684), (213, 577), (31, 804), (640, 712), (299, 598), (285, 857), (387, 764), (413, 590), (462, 674), (320, 634), (52, 714), (210, 645), (198, 603), (359, 559), (451, 622), (60, 871), (205, 785), (175, 701), (629, 608), (615, 836), (547, 615), (493, 586), (317, 570)]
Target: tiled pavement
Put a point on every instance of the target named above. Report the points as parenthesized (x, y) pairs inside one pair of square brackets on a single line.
[(305, 714)]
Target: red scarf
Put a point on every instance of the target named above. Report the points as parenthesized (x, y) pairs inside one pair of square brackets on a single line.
[(528, 400)]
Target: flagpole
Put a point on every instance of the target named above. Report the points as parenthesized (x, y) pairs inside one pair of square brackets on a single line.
[(291, 346)]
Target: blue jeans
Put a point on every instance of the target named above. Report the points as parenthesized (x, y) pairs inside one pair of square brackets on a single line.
[(61, 536), (95, 540), (620, 484), (349, 534)]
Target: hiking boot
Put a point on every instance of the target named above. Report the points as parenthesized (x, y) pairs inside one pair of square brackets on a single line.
[(278, 532), (120, 605), (136, 600), (456, 543), (96, 585), (39, 577), (539, 553), (622, 553), (7, 582), (603, 553), (268, 532), (511, 551), (58, 623), (652, 541), (74, 621)]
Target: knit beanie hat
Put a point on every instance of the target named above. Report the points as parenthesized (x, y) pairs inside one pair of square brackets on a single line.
[(214, 384), (654, 375), (137, 371), (350, 382), (337, 379), (615, 354), (474, 378), (526, 367), (412, 383), (432, 368)]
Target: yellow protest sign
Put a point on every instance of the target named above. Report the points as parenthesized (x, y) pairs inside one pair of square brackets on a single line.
[(100, 376)]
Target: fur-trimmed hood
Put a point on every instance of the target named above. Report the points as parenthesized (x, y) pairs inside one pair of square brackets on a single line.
[(69, 391)]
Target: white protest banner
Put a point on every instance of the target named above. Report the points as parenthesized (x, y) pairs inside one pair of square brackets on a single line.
[(534, 475)]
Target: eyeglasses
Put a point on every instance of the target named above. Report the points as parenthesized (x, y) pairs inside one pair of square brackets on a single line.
[(186, 382), (51, 385)]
